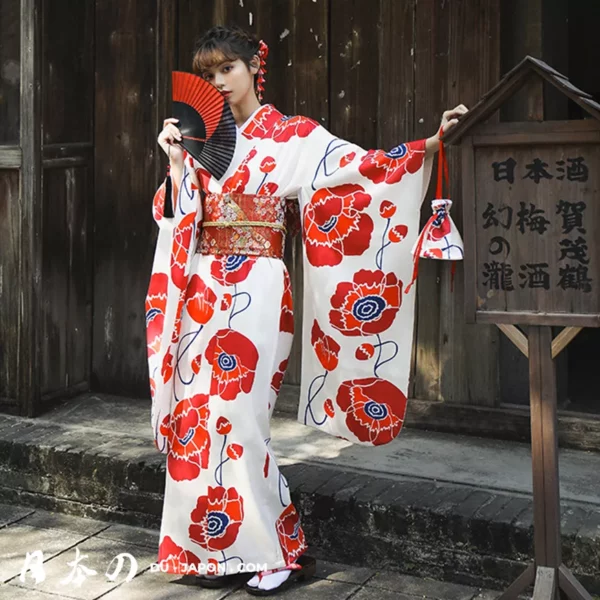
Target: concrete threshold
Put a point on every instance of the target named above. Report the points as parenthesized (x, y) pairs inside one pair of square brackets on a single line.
[(436, 505)]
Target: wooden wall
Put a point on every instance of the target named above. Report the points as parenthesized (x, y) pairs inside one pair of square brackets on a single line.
[(377, 73)]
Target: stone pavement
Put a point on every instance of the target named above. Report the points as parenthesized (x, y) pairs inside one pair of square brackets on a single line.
[(58, 536)]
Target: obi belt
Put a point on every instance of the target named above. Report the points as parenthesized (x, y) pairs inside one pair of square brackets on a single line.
[(246, 224)]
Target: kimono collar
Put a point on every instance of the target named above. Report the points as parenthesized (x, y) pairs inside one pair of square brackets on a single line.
[(263, 109)]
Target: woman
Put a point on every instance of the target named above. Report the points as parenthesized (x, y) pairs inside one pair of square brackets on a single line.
[(219, 316)]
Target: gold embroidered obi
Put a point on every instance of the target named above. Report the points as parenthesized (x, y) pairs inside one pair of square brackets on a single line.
[(243, 224)]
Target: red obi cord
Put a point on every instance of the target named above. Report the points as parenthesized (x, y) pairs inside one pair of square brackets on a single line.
[(243, 224)]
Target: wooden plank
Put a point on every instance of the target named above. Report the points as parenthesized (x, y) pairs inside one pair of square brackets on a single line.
[(576, 430), (468, 354), (516, 336), (538, 139), (536, 391), (10, 224), (570, 585), (545, 584), (534, 127), (123, 248), (431, 44), (30, 216), (526, 318), (68, 72), (10, 157), (10, 77), (354, 71), (520, 584), (563, 339)]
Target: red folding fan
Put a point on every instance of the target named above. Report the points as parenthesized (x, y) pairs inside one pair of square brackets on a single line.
[(205, 121)]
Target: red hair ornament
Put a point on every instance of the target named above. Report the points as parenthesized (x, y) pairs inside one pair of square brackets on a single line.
[(263, 52)]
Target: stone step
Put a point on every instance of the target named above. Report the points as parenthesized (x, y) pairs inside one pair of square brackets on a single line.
[(81, 461)]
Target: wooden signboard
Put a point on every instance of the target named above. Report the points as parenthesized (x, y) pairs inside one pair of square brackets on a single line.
[(533, 254), (531, 205)]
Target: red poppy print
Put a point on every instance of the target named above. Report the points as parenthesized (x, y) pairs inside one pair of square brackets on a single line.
[(291, 535), (374, 409), (367, 305), (365, 352), (328, 408), (217, 518), (235, 451), (156, 304), (277, 379), (267, 164), (223, 426), (347, 159), (231, 269), (233, 357), (326, 348), (238, 181), (336, 225), (226, 301), (397, 233), (167, 366), (178, 315), (390, 167), (196, 363), (182, 239), (174, 559), (189, 440), (267, 189), (439, 228), (433, 253), (387, 209), (288, 127), (266, 466), (200, 300), (286, 319), (262, 123)]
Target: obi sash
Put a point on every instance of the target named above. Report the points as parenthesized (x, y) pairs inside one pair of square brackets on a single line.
[(244, 224)]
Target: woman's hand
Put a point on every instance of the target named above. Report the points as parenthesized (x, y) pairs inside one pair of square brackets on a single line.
[(168, 140), (449, 120)]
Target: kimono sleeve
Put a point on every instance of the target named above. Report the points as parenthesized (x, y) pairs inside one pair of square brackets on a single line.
[(175, 248), (360, 219)]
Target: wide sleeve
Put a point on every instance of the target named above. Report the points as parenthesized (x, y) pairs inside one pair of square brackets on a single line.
[(360, 214), (175, 248)]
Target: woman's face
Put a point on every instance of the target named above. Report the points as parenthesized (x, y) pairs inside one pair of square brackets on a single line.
[(233, 79)]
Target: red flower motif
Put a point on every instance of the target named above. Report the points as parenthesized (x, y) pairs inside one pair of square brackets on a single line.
[(200, 300), (196, 364), (226, 301), (291, 535), (167, 366), (328, 408), (266, 467), (223, 426), (288, 127), (182, 239), (238, 181), (217, 519), (286, 319), (336, 225), (387, 209), (326, 348), (231, 269), (262, 123), (277, 379), (433, 253), (235, 451), (365, 352), (174, 559), (374, 408), (156, 304), (267, 189), (267, 165), (438, 229), (233, 357), (179, 312), (390, 167), (366, 305), (397, 233), (189, 440), (347, 159)]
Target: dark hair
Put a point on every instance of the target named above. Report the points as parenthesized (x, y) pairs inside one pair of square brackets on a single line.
[(220, 43)]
